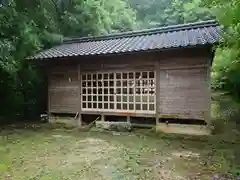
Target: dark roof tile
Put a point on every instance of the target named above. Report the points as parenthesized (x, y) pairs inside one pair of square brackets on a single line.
[(178, 36)]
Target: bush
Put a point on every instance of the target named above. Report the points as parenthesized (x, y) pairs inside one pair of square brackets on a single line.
[(225, 113)]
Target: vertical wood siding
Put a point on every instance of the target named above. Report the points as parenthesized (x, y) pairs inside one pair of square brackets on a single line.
[(184, 89), (183, 86), (63, 89)]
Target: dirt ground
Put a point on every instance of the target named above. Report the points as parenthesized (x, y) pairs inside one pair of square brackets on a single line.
[(72, 155)]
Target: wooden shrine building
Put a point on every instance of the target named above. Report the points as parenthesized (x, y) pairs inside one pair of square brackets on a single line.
[(158, 73)]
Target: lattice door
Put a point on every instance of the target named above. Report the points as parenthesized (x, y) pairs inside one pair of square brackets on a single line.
[(119, 91)]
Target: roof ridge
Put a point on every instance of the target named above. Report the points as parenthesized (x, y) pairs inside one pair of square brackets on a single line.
[(171, 28)]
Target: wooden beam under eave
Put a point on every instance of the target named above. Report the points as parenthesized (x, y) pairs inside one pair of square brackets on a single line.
[(79, 98), (209, 68), (157, 91), (48, 97)]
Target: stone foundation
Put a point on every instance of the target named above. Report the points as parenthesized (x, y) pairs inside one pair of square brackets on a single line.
[(183, 129), (114, 126)]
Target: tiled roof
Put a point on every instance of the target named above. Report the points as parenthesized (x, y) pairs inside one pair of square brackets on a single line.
[(185, 35)]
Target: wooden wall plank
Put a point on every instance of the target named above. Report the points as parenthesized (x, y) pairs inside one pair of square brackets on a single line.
[(63, 89), (182, 80), (184, 93)]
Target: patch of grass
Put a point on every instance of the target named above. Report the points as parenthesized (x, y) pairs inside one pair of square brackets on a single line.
[(50, 153)]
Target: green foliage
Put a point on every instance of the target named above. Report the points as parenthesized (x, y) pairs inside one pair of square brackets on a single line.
[(226, 71), (29, 26), (169, 12), (95, 17), (225, 75), (226, 65)]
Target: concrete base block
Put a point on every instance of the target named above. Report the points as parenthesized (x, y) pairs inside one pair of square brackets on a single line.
[(114, 126), (183, 129)]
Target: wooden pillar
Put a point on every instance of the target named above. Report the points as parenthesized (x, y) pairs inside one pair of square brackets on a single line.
[(49, 103), (157, 91), (79, 120), (51, 118), (128, 119), (209, 67), (102, 117), (79, 98)]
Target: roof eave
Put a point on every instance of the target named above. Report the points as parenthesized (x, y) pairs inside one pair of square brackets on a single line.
[(131, 52)]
